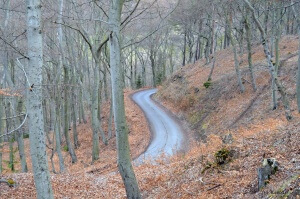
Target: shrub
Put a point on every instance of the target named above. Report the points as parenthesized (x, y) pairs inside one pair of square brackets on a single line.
[(66, 149), (207, 84), (139, 82), (222, 156)]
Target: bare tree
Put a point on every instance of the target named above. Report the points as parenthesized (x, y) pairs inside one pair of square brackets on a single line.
[(124, 160), (34, 101)]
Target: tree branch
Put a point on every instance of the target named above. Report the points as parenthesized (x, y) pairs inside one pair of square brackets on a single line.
[(16, 128), (13, 47)]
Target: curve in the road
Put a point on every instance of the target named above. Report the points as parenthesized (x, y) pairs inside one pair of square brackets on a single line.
[(167, 136)]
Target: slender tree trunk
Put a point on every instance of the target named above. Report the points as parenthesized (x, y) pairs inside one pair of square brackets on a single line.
[(124, 160), (94, 111), (184, 48), (10, 124), (66, 116), (298, 71), (73, 115), (57, 135), (171, 60), (34, 101), (110, 121), (1, 132), (236, 61), (1, 129), (104, 140), (153, 68), (74, 121), (249, 48), (66, 87), (45, 114), (212, 69), (274, 76), (20, 139)]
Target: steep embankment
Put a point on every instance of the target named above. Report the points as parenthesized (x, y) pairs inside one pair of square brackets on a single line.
[(222, 117)]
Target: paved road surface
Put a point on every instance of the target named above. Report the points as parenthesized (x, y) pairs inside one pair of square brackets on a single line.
[(167, 136)]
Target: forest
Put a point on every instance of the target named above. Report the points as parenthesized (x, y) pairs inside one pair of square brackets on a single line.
[(149, 99)]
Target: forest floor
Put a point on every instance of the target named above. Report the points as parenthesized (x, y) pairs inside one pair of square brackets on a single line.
[(82, 179), (219, 117)]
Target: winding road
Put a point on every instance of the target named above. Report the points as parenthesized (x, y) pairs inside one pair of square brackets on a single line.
[(167, 136)]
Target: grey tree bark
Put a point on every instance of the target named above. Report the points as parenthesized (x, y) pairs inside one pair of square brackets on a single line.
[(20, 140), (94, 110), (34, 101), (272, 69), (298, 71), (249, 48), (10, 124), (124, 160), (66, 88), (57, 131), (236, 61), (1, 129)]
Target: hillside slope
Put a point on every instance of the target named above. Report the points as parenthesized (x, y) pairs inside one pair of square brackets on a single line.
[(244, 123), (220, 118)]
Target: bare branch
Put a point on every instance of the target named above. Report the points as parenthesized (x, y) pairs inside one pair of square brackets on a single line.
[(13, 116), (13, 47), (16, 128), (136, 5)]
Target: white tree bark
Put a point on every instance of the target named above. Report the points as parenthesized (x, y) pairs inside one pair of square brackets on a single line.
[(34, 101)]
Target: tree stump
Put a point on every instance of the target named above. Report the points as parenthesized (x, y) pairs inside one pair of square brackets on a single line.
[(270, 166)]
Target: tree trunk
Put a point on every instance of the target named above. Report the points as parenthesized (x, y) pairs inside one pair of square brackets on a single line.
[(34, 101), (1, 129), (94, 111), (236, 61), (184, 48), (20, 139), (66, 87), (153, 68), (207, 52), (104, 140), (249, 48), (10, 124), (66, 115), (57, 134), (274, 76), (298, 71), (110, 121), (124, 160), (73, 112), (212, 68)]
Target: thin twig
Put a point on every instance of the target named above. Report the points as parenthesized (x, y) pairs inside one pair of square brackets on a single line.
[(218, 185), (13, 117), (16, 128), (13, 47)]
